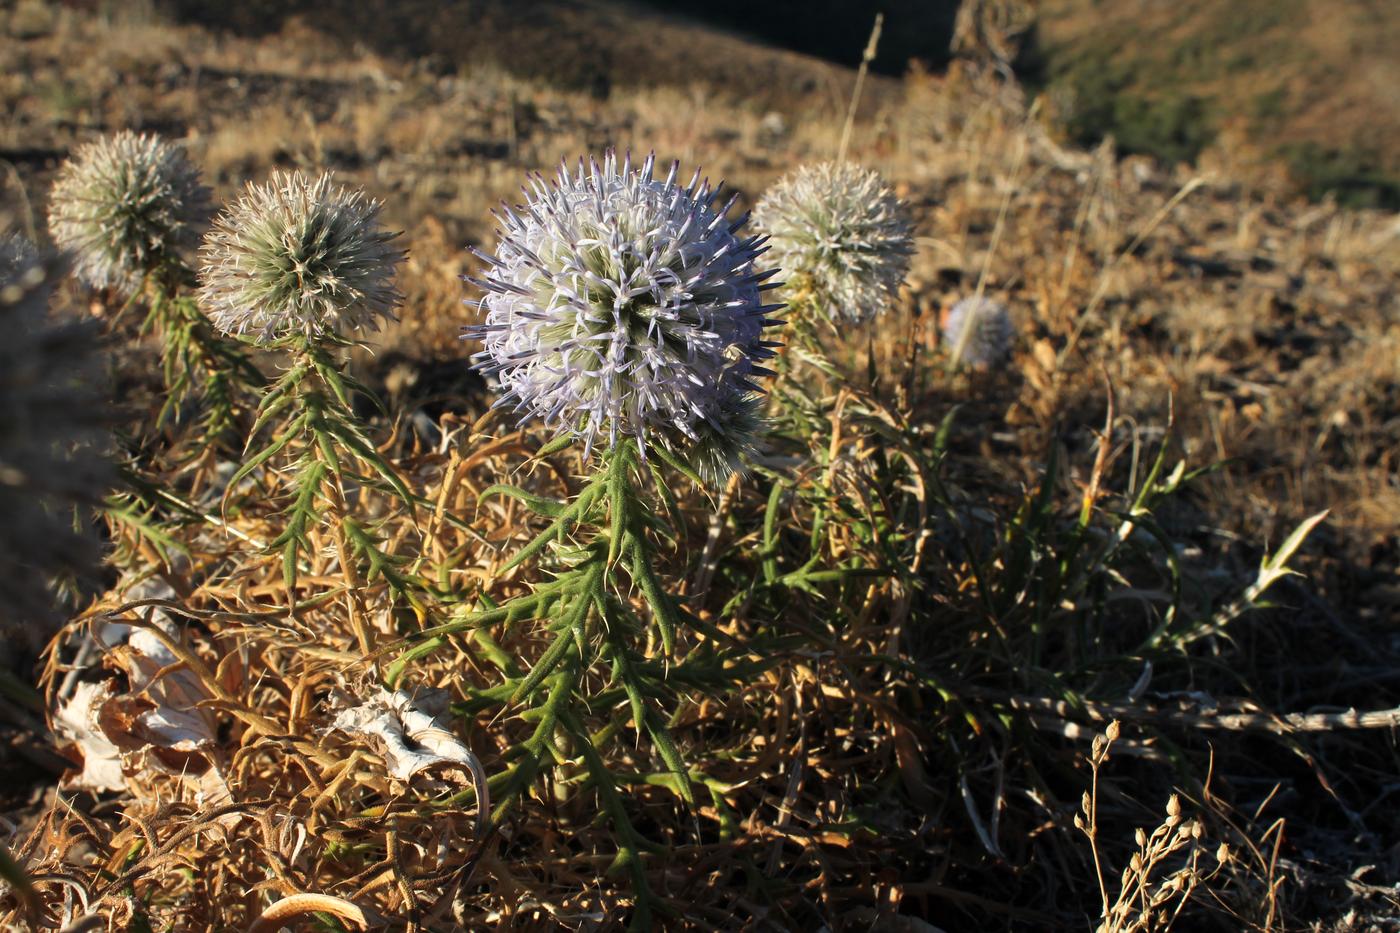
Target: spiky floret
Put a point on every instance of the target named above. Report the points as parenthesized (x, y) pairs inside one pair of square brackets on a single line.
[(17, 256), (51, 422), (838, 231), (622, 305), (978, 331), (125, 204), (299, 257)]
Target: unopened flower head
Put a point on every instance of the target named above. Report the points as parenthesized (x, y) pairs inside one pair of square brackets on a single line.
[(732, 430), (620, 304), (51, 426), (979, 331), (125, 204), (299, 257), (17, 256), (839, 232)]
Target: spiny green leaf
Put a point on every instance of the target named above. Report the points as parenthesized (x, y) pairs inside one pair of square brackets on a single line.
[(559, 527), (540, 505), (645, 577)]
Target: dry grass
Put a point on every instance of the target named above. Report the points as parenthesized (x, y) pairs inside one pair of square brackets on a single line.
[(877, 750)]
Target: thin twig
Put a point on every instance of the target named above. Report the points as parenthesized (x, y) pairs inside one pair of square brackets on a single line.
[(865, 61)]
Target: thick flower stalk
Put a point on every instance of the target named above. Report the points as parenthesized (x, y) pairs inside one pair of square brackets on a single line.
[(51, 450), (299, 259), (126, 206), (842, 239), (620, 305), (303, 264), (978, 332)]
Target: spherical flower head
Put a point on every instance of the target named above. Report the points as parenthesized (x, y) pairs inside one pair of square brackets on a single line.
[(622, 305), (299, 258), (51, 442), (979, 331), (125, 204), (839, 232), (17, 256)]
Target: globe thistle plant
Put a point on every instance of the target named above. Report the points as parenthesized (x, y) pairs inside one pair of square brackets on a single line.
[(126, 206), (50, 447), (622, 305), (299, 259), (624, 312), (841, 237), (303, 264), (978, 331)]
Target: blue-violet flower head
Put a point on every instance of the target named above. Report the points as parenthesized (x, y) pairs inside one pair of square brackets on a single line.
[(623, 305)]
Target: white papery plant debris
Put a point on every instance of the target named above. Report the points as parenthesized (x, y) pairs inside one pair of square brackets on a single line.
[(412, 733), (155, 725)]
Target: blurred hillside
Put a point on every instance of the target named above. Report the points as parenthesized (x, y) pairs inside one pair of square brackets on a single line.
[(834, 29), (1314, 84), (1309, 85), (595, 46)]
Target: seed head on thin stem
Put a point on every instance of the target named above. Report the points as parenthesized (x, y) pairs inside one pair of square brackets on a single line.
[(623, 305), (125, 204), (299, 257)]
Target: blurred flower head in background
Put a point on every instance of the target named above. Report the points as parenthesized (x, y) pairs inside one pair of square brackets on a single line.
[(124, 205), (978, 332)]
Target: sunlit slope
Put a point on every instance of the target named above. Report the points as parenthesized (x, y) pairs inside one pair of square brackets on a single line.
[(1313, 82)]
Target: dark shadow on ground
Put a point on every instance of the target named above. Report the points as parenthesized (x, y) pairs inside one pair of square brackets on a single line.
[(597, 45)]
